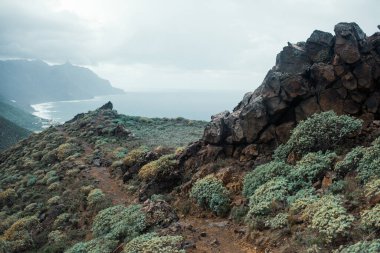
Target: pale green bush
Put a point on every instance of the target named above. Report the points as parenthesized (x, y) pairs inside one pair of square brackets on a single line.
[(361, 247), (311, 168), (279, 221), (372, 189), (97, 200), (268, 197), (162, 166), (62, 220), (19, 235), (136, 156), (151, 242), (67, 149), (7, 197), (97, 245), (370, 219), (320, 132), (299, 205), (54, 186), (331, 218), (119, 222), (54, 201), (210, 192), (263, 174), (365, 161), (56, 236)]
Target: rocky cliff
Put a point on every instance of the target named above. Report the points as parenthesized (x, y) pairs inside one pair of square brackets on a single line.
[(338, 72)]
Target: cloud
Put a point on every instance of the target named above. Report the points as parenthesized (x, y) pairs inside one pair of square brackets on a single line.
[(208, 44)]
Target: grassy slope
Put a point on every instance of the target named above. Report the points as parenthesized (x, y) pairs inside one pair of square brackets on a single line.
[(10, 133), (49, 173), (20, 117)]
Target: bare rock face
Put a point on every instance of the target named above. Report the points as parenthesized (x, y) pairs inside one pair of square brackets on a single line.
[(327, 72)]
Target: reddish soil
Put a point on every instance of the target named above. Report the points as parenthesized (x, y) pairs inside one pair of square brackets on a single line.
[(216, 235)]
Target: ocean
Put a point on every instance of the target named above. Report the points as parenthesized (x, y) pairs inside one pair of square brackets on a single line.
[(195, 105)]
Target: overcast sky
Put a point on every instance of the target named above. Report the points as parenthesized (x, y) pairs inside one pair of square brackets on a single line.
[(171, 44)]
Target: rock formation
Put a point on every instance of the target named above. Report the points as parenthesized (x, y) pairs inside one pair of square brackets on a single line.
[(340, 73)]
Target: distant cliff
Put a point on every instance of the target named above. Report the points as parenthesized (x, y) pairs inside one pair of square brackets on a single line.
[(11, 133), (29, 82)]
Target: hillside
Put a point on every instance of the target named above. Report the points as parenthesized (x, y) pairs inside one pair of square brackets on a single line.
[(20, 117), (31, 82), (294, 168), (11, 133)]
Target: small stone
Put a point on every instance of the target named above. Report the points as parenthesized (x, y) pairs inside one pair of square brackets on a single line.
[(203, 234), (214, 242), (189, 245)]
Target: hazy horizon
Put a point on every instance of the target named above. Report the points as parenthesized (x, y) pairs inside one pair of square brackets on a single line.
[(171, 45)]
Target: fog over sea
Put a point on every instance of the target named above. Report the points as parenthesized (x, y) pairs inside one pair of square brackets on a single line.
[(195, 105)]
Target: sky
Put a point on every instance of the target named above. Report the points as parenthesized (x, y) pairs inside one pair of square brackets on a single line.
[(159, 45)]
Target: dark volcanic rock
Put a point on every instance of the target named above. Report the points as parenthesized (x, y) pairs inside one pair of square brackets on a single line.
[(107, 106), (349, 37), (319, 46), (340, 73)]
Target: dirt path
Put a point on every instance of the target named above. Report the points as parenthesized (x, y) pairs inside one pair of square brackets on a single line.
[(110, 186), (215, 235), (212, 235)]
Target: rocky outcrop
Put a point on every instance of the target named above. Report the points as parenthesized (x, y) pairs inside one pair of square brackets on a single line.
[(340, 73)]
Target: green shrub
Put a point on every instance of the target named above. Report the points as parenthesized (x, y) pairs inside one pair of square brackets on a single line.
[(263, 174), (372, 189), (31, 207), (136, 156), (54, 200), (279, 221), (210, 192), (4, 246), (311, 168), (86, 189), (72, 172), (62, 220), (54, 186), (365, 161), (57, 236), (19, 235), (299, 205), (97, 245), (6, 221), (361, 247), (307, 192), (162, 166), (67, 149), (350, 161), (119, 222), (337, 187), (50, 177), (31, 180), (370, 219), (97, 200), (330, 218), (119, 152), (320, 132), (7, 197), (153, 243), (268, 197)]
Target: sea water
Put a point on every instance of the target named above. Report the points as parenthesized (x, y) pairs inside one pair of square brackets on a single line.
[(195, 105)]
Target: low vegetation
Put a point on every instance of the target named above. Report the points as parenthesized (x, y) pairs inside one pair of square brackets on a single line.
[(210, 193), (71, 188)]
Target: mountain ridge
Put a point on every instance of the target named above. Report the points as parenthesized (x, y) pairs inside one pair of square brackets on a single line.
[(30, 82)]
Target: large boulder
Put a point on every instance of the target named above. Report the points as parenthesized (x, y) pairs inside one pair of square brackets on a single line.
[(349, 37), (338, 72)]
